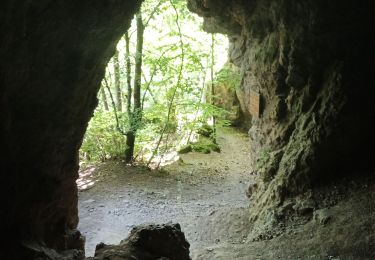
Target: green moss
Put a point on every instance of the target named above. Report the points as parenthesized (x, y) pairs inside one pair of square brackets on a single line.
[(263, 158), (268, 164), (215, 148), (201, 148), (185, 149), (203, 145), (205, 130)]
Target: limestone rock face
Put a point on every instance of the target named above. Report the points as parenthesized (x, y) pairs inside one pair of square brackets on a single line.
[(52, 59), (310, 62), (228, 96)]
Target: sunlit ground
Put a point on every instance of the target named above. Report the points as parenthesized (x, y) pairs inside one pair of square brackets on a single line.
[(86, 178)]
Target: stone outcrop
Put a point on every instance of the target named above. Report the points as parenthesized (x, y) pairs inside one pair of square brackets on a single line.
[(310, 62), (148, 243), (52, 59), (228, 96)]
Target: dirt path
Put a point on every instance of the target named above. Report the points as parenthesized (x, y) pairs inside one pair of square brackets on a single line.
[(192, 191)]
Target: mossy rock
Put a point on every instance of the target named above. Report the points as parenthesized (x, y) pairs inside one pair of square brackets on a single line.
[(215, 148), (201, 148), (185, 149), (203, 145), (205, 130)]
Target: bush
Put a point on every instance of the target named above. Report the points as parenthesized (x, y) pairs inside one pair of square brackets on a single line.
[(102, 140)]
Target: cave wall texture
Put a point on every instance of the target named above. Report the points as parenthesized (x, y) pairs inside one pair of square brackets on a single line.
[(311, 62), (52, 58)]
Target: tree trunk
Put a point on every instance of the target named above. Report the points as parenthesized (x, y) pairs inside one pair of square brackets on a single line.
[(136, 116), (128, 74), (104, 99), (130, 143), (138, 64), (213, 87), (116, 65)]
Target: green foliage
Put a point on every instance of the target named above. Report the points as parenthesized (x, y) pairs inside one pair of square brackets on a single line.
[(205, 130), (203, 145), (206, 147), (134, 122), (173, 106), (201, 148), (102, 140), (209, 110), (185, 149), (228, 76)]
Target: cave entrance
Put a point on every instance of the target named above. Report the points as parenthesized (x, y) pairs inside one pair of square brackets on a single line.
[(204, 193), (161, 145)]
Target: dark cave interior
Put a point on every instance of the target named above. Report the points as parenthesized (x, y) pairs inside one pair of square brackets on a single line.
[(310, 61)]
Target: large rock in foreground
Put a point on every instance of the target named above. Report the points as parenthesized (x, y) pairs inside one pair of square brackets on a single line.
[(148, 243)]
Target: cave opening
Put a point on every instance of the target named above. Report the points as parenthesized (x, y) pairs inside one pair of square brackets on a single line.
[(167, 81), (190, 149), (307, 64)]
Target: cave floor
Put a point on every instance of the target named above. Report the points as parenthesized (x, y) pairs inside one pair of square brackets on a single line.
[(205, 193), (194, 191)]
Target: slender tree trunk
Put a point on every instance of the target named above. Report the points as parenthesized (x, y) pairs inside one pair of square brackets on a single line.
[(130, 143), (179, 79), (213, 86), (128, 74), (104, 99), (136, 116), (116, 65), (138, 64), (114, 107), (199, 103)]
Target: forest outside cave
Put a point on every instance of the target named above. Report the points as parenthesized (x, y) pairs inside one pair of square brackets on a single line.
[(165, 143), (260, 149), (158, 87)]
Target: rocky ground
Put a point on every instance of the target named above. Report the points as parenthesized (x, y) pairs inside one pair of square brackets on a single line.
[(205, 193), (341, 228), (192, 191)]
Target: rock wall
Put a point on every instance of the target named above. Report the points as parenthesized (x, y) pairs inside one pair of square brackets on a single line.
[(311, 62), (228, 96), (52, 59)]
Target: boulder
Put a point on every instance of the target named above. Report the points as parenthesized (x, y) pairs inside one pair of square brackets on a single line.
[(148, 242)]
